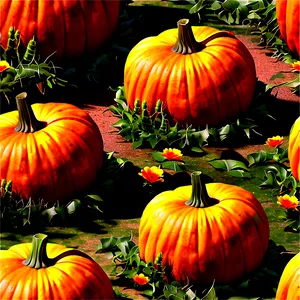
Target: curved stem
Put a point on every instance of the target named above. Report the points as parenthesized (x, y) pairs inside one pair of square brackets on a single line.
[(200, 197), (38, 257), (27, 120), (186, 42)]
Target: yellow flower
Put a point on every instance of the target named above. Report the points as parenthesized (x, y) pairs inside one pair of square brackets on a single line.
[(288, 202), (140, 279), (296, 65), (275, 141), (172, 154), (4, 65), (152, 174)]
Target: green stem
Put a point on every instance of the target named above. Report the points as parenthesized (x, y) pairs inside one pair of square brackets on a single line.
[(28, 123), (200, 197), (38, 257), (186, 42)]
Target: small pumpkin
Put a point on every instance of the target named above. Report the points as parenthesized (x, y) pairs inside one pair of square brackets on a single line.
[(287, 12), (44, 270), (49, 151), (289, 284), (201, 74), (67, 27), (204, 232), (294, 149)]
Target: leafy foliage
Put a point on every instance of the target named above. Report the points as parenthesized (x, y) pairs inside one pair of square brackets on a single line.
[(25, 70), (157, 132), (125, 255), (25, 215)]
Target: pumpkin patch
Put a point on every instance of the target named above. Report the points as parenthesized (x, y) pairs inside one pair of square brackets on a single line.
[(49, 151), (294, 149), (67, 29), (41, 270), (205, 236), (202, 75)]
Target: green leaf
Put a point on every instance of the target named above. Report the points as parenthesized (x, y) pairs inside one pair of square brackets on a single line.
[(240, 174), (171, 166), (231, 5), (278, 75), (121, 123), (196, 8), (137, 143), (157, 156), (227, 164)]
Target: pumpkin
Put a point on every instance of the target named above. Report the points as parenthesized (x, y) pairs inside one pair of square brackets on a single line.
[(41, 270), (204, 232), (49, 151), (294, 149), (287, 12), (289, 283), (202, 75), (67, 27)]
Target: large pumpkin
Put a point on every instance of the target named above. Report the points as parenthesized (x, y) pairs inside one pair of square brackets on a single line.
[(202, 75), (204, 235), (51, 157), (69, 27), (288, 12), (44, 270), (294, 149), (289, 284)]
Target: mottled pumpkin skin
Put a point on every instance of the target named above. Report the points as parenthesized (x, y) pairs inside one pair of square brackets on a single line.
[(221, 242), (69, 27), (288, 20), (289, 284), (208, 87), (294, 149), (72, 277), (55, 162)]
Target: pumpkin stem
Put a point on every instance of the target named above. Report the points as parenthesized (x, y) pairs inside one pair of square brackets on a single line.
[(186, 42), (38, 257), (199, 196), (27, 120)]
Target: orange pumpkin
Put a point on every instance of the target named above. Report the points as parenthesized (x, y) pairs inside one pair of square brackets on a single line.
[(294, 149), (204, 235), (44, 270), (67, 27), (289, 284), (288, 12), (51, 157), (202, 75)]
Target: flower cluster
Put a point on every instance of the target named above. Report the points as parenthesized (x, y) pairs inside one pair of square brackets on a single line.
[(152, 174), (288, 202), (296, 66), (4, 65), (275, 141), (172, 154), (140, 279)]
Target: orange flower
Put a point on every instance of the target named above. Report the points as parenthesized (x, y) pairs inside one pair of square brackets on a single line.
[(152, 174), (288, 202), (296, 65), (275, 141), (4, 65), (172, 154), (140, 279)]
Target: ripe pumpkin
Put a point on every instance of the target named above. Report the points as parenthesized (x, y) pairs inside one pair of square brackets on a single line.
[(44, 270), (287, 12), (294, 149), (202, 75), (49, 151), (69, 27), (205, 232), (289, 284)]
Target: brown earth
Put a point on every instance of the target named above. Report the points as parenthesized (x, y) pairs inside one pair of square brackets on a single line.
[(266, 67)]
